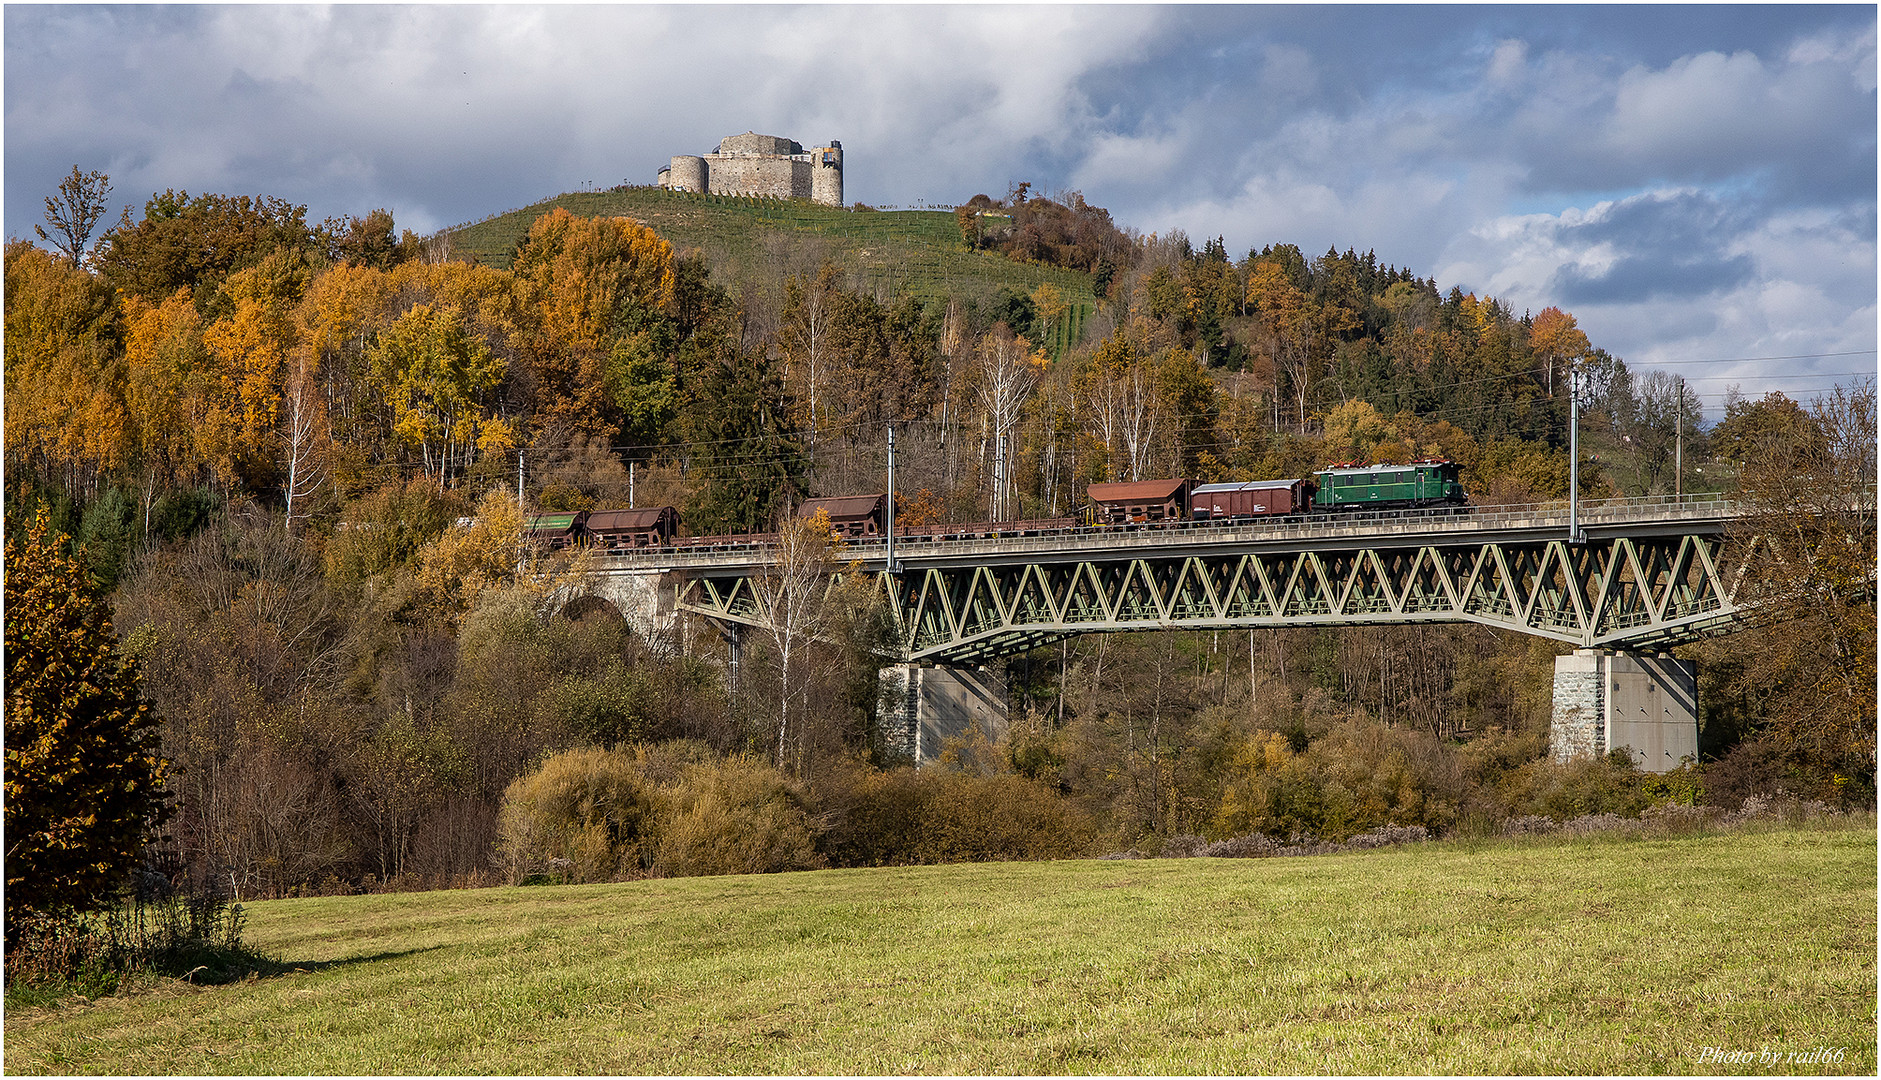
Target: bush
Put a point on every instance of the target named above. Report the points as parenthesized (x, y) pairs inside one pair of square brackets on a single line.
[(737, 816), (672, 810), (1580, 788), (1358, 776), (589, 807), (921, 816)]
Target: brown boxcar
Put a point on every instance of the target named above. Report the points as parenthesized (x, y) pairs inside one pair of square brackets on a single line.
[(648, 526), (1251, 498), (849, 515), (1140, 501)]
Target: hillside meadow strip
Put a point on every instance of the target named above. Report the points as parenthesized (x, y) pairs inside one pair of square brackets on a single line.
[(1745, 953)]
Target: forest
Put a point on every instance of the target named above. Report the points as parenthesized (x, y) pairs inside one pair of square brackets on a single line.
[(294, 461)]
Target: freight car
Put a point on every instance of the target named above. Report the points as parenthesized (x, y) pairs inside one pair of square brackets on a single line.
[(1139, 502), (1250, 499), (650, 526), (556, 531), (849, 515)]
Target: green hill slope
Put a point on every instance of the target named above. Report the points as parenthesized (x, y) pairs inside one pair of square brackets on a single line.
[(1558, 956), (886, 251)]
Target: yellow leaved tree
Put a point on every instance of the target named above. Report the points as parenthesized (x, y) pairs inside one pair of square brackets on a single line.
[(438, 381)]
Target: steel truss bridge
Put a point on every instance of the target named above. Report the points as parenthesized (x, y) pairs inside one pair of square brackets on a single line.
[(1649, 574)]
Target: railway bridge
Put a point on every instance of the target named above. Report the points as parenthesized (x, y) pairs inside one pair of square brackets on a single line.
[(1639, 577)]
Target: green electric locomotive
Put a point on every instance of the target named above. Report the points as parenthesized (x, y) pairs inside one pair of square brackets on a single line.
[(1388, 487)]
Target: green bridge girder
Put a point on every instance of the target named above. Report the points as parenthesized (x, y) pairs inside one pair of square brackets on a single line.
[(1651, 587)]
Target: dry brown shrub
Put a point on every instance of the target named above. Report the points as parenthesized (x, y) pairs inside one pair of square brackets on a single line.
[(589, 807), (905, 816), (735, 816)]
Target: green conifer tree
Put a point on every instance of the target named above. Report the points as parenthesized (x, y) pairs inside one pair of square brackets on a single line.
[(84, 779)]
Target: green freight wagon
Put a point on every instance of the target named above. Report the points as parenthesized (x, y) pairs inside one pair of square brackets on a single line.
[(1388, 487), (555, 531)]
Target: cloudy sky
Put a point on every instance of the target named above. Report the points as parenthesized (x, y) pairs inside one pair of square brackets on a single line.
[(1696, 184)]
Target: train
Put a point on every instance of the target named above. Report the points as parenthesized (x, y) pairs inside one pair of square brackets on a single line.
[(1348, 487)]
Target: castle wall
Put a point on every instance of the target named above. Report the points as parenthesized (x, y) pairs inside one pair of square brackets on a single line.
[(770, 177), (752, 143), (761, 165)]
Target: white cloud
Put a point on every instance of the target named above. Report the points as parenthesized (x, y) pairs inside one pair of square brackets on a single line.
[(1460, 153)]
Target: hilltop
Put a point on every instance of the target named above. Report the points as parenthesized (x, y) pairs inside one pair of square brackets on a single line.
[(745, 238)]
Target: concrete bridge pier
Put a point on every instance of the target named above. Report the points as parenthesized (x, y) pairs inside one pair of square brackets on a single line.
[(921, 706), (1605, 700)]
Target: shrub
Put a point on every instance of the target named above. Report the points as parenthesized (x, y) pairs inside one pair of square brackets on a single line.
[(1756, 767), (905, 816), (1358, 776), (737, 816), (195, 936), (590, 807), (1585, 786)]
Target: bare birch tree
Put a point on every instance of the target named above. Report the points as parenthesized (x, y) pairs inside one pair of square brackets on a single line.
[(303, 438), (809, 309), (1009, 370), (792, 591)]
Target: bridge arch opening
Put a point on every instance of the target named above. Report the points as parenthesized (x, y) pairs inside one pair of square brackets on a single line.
[(589, 606)]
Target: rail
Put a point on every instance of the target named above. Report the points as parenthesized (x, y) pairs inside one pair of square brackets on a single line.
[(1435, 523)]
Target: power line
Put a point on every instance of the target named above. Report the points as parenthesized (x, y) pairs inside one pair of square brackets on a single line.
[(1759, 359)]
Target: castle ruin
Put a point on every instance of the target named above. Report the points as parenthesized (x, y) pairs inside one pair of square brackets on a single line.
[(753, 164)]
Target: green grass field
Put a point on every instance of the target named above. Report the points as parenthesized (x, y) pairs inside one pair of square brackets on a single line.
[(916, 250), (1549, 956)]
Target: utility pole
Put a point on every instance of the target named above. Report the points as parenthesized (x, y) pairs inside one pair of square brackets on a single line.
[(888, 519), (1575, 536), (1678, 453), (630, 486)]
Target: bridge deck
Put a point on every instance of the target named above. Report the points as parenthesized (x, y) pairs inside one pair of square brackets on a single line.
[(1663, 516)]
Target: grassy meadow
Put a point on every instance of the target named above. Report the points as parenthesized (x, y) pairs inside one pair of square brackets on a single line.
[(1539, 956)]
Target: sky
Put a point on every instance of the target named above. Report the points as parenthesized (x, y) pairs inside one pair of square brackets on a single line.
[(1695, 184)]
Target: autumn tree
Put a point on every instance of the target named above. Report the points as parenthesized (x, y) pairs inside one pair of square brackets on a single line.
[(167, 392), (436, 378), (583, 277), (75, 212), (1557, 341), (248, 350), (64, 385), (197, 242), (368, 241), (84, 782), (1811, 683)]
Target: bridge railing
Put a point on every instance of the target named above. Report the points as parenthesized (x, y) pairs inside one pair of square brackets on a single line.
[(1362, 523)]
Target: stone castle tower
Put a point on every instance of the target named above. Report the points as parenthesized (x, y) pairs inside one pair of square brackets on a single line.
[(753, 164)]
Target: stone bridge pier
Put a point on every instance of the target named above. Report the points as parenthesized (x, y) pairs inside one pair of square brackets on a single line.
[(922, 706), (644, 599), (1605, 700)]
